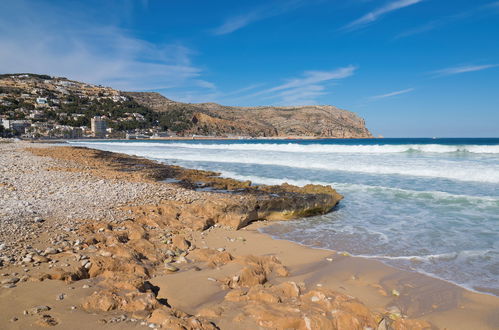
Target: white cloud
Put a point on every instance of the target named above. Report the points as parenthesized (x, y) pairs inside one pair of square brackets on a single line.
[(462, 69), (270, 10), (391, 94), (62, 42), (305, 89), (377, 13), (237, 22)]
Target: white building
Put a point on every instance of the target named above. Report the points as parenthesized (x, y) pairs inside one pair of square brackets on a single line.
[(98, 126), (41, 100)]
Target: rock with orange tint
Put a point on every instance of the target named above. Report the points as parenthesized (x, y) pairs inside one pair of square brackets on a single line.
[(101, 264), (275, 316), (139, 301), (170, 320), (180, 242), (69, 275), (210, 312), (212, 257), (236, 295), (269, 264), (257, 271), (135, 231), (145, 248), (103, 300), (286, 290), (259, 293), (107, 300)]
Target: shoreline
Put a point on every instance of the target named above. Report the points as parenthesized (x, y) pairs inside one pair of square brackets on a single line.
[(382, 288), (377, 259)]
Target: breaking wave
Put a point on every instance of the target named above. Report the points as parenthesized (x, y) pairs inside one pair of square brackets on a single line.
[(317, 148)]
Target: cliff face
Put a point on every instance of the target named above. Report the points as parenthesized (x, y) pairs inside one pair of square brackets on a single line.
[(304, 121)]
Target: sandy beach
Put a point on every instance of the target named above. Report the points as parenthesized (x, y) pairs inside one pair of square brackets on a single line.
[(99, 240)]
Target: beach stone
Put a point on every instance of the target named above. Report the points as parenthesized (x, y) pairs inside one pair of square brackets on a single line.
[(39, 258), (50, 250), (39, 309), (171, 268), (12, 280)]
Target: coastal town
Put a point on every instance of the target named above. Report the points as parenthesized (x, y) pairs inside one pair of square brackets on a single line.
[(41, 106)]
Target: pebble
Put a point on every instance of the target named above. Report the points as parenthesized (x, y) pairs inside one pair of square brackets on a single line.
[(171, 268), (50, 250), (39, 309), (60, 296), (220, 249), (39, 258), (12, 280)]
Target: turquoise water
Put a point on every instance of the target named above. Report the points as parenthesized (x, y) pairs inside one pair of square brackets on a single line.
[(427, 205)]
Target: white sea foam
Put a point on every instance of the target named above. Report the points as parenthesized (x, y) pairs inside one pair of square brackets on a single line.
[(460, 171), (434, 195), (457, 171), (317, 148)]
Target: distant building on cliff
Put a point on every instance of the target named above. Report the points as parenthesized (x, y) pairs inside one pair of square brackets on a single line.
[(98, 126)]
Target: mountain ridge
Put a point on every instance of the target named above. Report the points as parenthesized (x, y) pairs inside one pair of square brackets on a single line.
[(269, 121)]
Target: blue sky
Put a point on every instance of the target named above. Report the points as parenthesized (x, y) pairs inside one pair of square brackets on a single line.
[(409, 67)]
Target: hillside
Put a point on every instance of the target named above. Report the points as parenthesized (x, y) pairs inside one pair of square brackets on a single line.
[(58, 107), (215, 119)]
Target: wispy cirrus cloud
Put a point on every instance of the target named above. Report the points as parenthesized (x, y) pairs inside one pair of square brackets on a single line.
[(484, 10), (374, 15), (237, 22), (392, 94), (305, 89), (462, 69)]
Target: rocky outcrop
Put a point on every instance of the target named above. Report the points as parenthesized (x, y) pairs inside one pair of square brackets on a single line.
[(269, 121), (240, 203)]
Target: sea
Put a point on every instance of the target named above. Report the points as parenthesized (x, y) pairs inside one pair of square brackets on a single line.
[(428, 205)]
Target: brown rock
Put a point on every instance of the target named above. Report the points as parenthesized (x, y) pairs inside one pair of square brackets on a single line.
[(180, 242), (101, 301)]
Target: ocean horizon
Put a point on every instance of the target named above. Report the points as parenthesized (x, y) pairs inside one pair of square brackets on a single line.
[(428, 205)]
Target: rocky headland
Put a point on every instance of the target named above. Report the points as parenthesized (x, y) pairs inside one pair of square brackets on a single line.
[(268, 121), (96, 239)]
